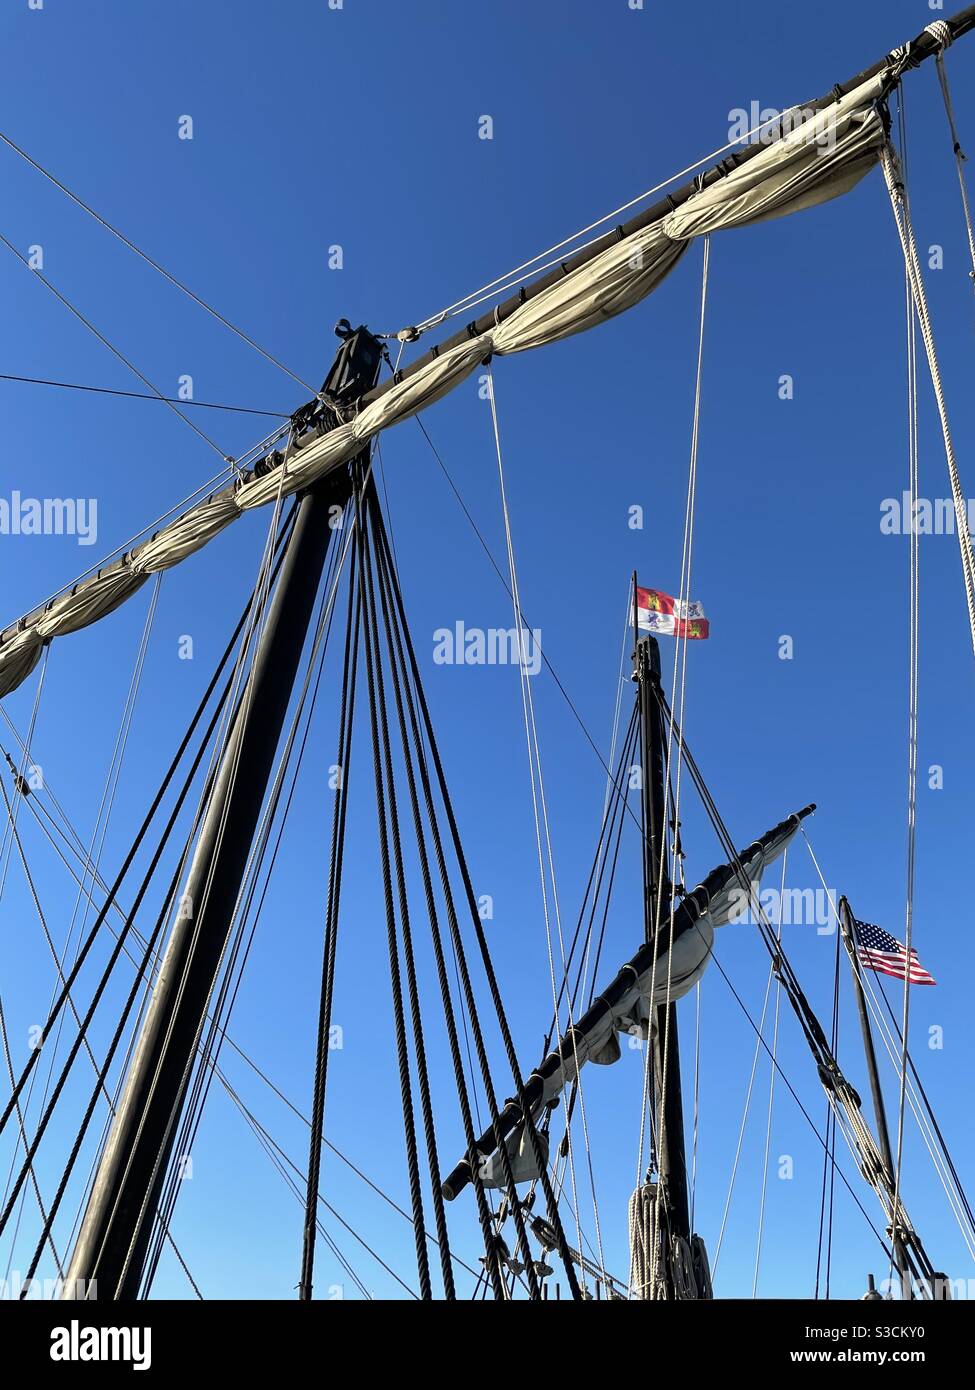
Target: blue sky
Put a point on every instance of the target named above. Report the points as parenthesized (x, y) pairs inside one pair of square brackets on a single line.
[(358, 128)]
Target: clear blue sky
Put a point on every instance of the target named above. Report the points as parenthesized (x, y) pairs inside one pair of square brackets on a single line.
[(358, 128)]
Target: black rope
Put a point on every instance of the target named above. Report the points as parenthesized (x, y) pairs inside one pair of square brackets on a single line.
[(778, 956), (494, 1252), (126, 928), (371, 634), (530, 1129), (408, 955), (143, 396), (137, 844), (209, 1053), (401, 687), (336, 859)]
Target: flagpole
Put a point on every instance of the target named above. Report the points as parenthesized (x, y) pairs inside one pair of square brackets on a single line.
[(879, 1110)]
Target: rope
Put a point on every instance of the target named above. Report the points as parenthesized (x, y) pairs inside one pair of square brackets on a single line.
[(149, 261), (113, 349), (902, 219), (401, 689), (539, 804), (930, 1130), (376, 716), (336, 859), (771, 1092), (507, 1040), (913, 676), (141, 396), (680, 655), (502, 283), (111, 896), (960, 159)]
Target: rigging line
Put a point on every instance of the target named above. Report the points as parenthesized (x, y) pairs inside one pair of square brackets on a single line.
[(891, 1038), (610, 786), (21, 1123), (831, 1163), (142, 396), (120, 941), (913, 677), (385, 565), (771, 1089), (10, 835), (905, 229), (269, 1147), (485, 955), (402, 686), (330, 943), (744, 1121), (494, 565), (60, 971), (477, 296), (217, 1018), (960, 157), (228, 741), (78, 844), (130, 858), (406, 930), (680, 651), (394, 564), (697, 1098), (337, 1152), (787, 976), (111, 347), (169, 897), (121, 738), (296, 1188), (385, 807), (102, 820), (132, 541), (539, 803), (149, 261), (5, 850), (258, 1071)]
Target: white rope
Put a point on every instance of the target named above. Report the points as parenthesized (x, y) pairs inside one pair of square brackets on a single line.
[(611, 786), (771, 1092), (902, 219), (912, 695), (545, 857), (892, 1047), (502, 283), (680, 655), (960, 158), (760, 1033)]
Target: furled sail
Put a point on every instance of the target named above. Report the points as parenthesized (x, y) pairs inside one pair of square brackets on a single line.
[(626, 1005), (820, 159)]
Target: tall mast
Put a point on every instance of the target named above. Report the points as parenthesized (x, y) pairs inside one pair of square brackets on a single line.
[(671, 1162), (879, 1110), (113, 1241), (669, 1204)]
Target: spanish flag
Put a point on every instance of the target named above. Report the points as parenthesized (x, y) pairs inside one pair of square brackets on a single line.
[(658, 612)]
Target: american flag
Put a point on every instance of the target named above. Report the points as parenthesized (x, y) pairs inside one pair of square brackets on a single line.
[(877, 950)]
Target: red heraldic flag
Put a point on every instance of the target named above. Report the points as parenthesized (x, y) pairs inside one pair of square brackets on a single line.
[(658, 612)]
